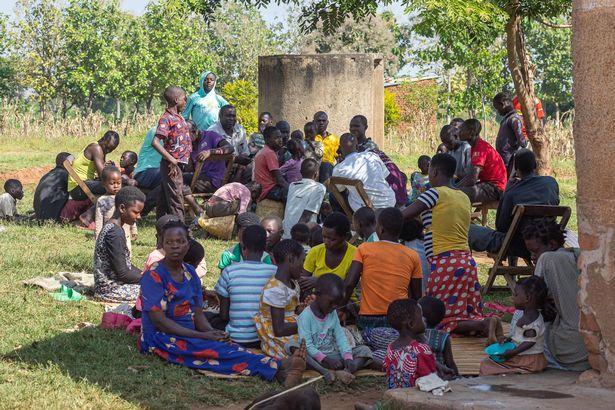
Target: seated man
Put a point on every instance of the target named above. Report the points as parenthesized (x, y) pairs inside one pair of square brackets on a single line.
[(51, 193), (460, 150), (267, 168), (487, 181), (396, 179), (89, 163), (368, 168), (235, 134), (204, 145), (304, 197), (531, 189)]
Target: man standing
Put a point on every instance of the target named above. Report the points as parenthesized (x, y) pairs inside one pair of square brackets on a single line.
[(330, 143), (510, 137)]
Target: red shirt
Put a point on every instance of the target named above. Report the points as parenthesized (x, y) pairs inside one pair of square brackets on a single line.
[(493, 169), (265, 162), (174, 133)]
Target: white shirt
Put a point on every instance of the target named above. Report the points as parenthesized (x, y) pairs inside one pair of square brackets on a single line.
[(368, 168), (237, 140), (304, 195), (8, 205)]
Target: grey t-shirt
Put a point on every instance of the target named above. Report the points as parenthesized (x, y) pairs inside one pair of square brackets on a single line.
[(464, 159), (303, 195)]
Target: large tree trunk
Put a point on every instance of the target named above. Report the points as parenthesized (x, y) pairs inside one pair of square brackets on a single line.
[(522, 74)]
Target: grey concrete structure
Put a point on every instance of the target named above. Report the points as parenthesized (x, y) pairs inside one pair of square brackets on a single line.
[(294, 87)]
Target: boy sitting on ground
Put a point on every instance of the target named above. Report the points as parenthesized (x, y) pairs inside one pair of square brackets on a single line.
[(8, 200), (240, 286), (128, 161), (364, 221), (233, 254), (267, 167), (304, 197)]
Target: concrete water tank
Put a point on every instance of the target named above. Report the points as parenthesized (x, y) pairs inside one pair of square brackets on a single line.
[(294, 87)]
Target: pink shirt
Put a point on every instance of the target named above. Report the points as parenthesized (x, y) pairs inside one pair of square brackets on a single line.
[(235, 191), (265, 162)]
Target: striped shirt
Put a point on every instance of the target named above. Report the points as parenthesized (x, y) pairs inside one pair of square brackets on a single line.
[(446, 220), (243, 283)]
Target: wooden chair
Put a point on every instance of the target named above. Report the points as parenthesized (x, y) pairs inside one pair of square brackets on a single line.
[(84, 187), (481, 211), (332, 184), (511, 272), (227, 158)]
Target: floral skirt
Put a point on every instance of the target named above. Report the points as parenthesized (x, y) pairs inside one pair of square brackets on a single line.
[(270, 344), (454, 280), (208, 355)]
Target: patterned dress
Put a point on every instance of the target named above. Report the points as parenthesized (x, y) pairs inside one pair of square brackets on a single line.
[(276, 294), (111, 261), (436, 339), (403, 366), (179, 300)]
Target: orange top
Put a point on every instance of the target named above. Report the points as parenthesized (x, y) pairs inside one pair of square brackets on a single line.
[(387, 270)]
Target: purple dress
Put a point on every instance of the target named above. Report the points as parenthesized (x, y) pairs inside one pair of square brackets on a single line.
[(178, 300), (213, 170)]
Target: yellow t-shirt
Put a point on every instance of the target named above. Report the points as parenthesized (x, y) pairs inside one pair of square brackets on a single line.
[(84, 167), (446, 221), (330, 146), (315, 261)]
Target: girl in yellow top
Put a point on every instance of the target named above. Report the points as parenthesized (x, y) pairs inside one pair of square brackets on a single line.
[(276, 320), (445, 213), (334, 255)]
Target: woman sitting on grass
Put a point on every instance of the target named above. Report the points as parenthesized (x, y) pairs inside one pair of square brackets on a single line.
[(175, 328), (115, 278)]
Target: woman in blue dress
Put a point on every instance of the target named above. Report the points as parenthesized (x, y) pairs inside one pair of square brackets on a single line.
[(204, 105), (175, 328)]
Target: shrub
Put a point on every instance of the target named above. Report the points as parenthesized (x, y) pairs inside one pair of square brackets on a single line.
[(392, 113), (244, 96)]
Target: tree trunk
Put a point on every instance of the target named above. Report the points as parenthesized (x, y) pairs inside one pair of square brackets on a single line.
[(521, 71), (557, 115), (118, 110)]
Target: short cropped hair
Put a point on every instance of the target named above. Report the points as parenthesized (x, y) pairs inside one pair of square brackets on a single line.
[(400, 311), (254, 238), (328, 282), (365, 215), (501, 97), (268, 132), (128, 196), (525, 161), (412, 229), (287, 247), (361, 118), (391, 220), (61, 157), (339, 222), (433, 310), (444, 163), (172, 92), (164, 220), (225, 108), (171, 224), (108, 171), (309, 167), (545, 230), (195, 254), (473, 125), (12, 184), (300, 233)]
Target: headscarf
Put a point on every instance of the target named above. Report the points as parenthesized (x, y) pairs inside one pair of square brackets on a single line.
[(202, 106)]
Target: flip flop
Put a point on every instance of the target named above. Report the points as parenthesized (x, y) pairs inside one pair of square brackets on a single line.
[(67, 294)]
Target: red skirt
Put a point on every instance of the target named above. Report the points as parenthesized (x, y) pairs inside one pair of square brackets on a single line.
[(454, 280)]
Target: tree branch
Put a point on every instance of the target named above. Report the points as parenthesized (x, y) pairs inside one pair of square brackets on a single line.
[(553, 25)]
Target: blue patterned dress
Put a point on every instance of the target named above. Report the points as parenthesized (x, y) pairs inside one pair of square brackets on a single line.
[(178, 301)]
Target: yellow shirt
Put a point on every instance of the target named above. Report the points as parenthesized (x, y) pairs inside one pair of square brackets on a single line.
[(315, 261), (447, 220), (84, 167), (330, 146)]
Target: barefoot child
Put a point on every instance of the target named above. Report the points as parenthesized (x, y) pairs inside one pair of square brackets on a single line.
[(528, 333), (276, 320), (439, 341), (176, 330), (8, 200), (327, 345), (407, 359)]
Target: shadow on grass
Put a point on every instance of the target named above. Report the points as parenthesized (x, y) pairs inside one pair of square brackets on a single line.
[(110, 360)]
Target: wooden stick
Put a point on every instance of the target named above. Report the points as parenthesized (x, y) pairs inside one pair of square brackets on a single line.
[(315, 379)]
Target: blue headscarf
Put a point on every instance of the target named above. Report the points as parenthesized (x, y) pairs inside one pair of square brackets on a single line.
[(203, 106)]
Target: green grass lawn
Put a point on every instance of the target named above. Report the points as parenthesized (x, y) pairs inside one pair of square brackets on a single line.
[(44, 365)]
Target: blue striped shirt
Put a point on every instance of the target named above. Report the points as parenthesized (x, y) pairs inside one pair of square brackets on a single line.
[(243, 284)]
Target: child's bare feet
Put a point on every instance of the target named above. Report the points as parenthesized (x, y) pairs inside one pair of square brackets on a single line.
[(491, 325), (295, 366)]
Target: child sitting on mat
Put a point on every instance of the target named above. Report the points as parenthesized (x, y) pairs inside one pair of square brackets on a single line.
[(276, 320), (233, 254), (438, 341), (407, 358), (527, 333), (328, 350)]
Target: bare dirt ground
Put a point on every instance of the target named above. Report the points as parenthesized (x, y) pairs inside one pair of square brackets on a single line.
[(27, 175)]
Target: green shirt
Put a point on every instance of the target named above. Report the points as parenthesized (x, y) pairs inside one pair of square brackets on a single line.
[(233, 255)]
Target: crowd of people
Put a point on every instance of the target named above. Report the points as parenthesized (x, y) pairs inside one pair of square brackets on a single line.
[(292, 285)]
